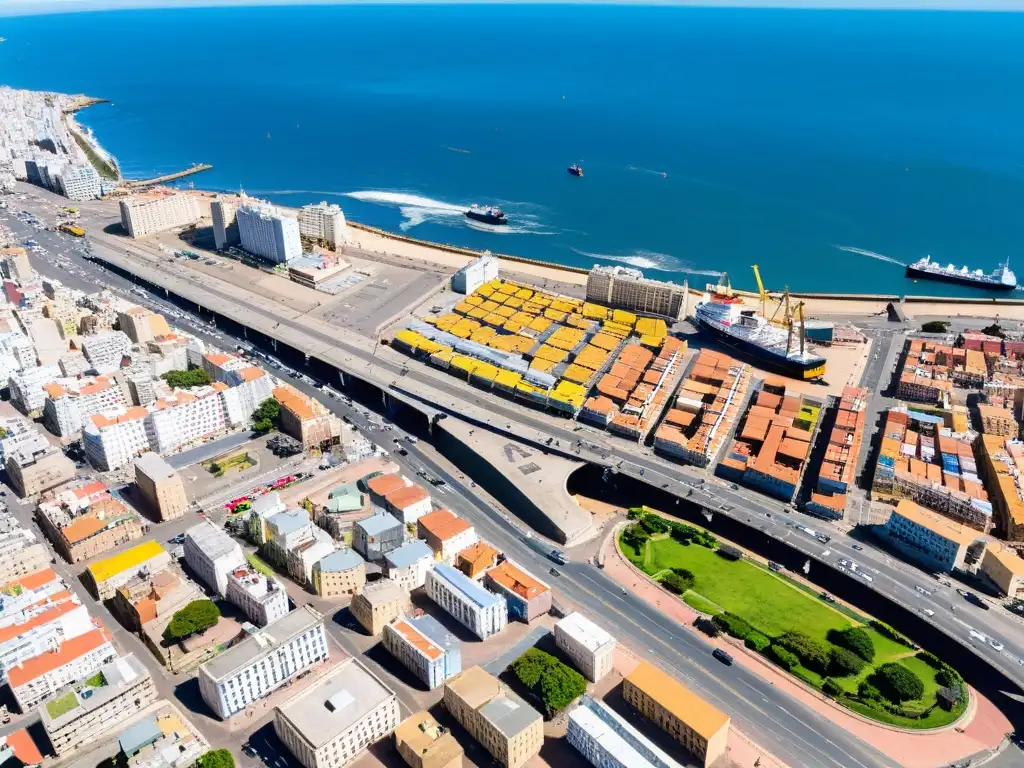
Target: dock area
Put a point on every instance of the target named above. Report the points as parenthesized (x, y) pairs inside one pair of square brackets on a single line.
[(142, 183)]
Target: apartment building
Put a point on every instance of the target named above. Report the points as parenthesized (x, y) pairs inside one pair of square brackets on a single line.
[(302, 558), (424, 743), (408, 504), (68, 405), (153, 596), (27, 592), (115, 692), (425, 648), (161, 739), (590, 648), (264, 508), (474, 561), (225, 227), (263, 599), (212, 554), (701, 728), (161, 486), (307, 420), (1002, 465), (106, 350), (42, 628), (526, 596), (26, 385), (21, 553), (482, 612), (114, 438), (263, 662), (607, 740), (479, 271), (375, 536), (285, 531), (1004, 568), (268, 232), (104, 577), (185, 417), (34, 466), (39, 678), (935, 541), (16, 265), (83, 532), (446, 534), (80, 182), (142, 325), (158, 211), (334, 720), (248, 388), (627, 288), (380, 603), (323, 222), (408, 564), (835, 475), (506, 726), (340, 573)]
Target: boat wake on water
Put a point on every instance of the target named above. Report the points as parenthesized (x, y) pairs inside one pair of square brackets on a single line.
[(870, 254), (417, 209), (643, 259), (638, 169)]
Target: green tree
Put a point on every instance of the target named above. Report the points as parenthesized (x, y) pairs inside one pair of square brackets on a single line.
[(868, 692), (757, 641), (554, 683), (266, 416), (197, 377), (782, 657), (843, 663), (678, 582), (215, 468), (831, 687), (197, 616), (853, 639), (935, 326), (217, 758), (994, 330), (897, 683), (811, 653)]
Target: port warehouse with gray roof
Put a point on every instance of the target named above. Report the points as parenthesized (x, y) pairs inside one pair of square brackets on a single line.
[(263, 662), (482, 612), (335, 719)]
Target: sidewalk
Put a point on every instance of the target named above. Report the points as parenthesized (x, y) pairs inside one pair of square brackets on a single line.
[(983, 728)]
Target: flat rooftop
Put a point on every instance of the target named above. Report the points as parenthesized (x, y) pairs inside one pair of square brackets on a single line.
[(584, 631), (264, 641), (334, 703)]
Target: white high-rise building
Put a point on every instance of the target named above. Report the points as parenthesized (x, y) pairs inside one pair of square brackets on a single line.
[(225, 228), (627, 288), (263, 662), (105, 350), (254, 385), (606, 740), (323, 222), (69, 404), (482, 612), (212, 554), (267, 232), (263, 599), (80, 182), (158, 211), (115, 437), (184, 417), (26, 386)]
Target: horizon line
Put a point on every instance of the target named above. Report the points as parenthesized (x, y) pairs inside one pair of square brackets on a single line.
[(24, 8)]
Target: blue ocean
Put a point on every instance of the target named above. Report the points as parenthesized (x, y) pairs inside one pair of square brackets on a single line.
[(829, 147)]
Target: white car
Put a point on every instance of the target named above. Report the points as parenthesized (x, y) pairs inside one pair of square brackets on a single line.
[(927, 611), (996, 645), (977, 635)]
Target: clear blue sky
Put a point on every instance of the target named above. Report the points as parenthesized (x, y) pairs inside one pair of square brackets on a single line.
[(26, 7)]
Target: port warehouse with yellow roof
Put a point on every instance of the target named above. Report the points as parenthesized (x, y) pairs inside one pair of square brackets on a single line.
[(105, 576), (542, 349)]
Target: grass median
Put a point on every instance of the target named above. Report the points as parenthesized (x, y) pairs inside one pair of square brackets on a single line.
[(774, 608)]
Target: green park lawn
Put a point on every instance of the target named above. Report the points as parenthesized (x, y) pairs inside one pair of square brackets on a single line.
[(773, 604)]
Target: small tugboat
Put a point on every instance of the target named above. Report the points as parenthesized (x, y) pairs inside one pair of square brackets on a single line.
[(576, 170), (488, 215)]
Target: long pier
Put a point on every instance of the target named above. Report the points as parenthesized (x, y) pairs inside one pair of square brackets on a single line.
[(140, 183)]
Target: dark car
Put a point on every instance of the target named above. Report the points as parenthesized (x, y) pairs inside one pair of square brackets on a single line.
[(722, 656), (858, 547)]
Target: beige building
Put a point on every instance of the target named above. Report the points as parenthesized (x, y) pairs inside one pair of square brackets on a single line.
[(379, 604), (663, 700), (306, 419), (105, 524), (117, 691), (341, 573), (1004, 569), (34, 466), (334, 720), (21, 552), (16, 265), (142, 325), (423, 743), (104, 577), (161, 487), (157, 211), (996, 420), (504, 724), (626, 288)]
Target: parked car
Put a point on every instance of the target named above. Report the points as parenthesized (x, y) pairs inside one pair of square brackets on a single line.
[(722, 656)]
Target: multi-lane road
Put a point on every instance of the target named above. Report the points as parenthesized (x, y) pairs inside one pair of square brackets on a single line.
[(780, 724)]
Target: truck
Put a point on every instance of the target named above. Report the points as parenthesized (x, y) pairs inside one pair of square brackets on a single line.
[(71, 229)]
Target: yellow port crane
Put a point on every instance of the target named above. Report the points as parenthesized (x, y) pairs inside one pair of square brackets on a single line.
[(798, 314), (760, 290)]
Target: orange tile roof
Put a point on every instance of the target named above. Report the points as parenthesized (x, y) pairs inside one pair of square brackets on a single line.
[(295, 402), (479, 551), (516, 580), (101, 420), (217, 360), (33, 668), (382, 485), (11, 631), (24, 747), (417, 639), (251, 374), (82, 528), (54, 390), (402, 498), (443, 524), (33, 580)]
